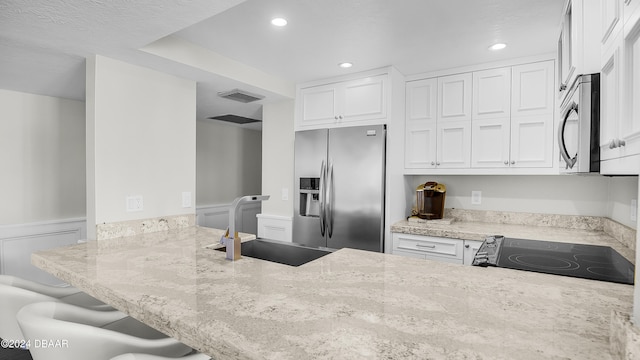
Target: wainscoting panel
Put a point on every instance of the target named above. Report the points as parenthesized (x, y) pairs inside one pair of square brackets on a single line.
[(17, 242), (275, 227), (217, 216)]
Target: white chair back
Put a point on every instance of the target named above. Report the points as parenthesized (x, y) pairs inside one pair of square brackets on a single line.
[(59, 331)]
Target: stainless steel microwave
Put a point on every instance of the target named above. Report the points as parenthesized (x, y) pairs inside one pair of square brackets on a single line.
[(579, 129)]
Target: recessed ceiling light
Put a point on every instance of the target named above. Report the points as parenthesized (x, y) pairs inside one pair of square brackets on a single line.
[(498, 46), (279, 21), (345, 65)]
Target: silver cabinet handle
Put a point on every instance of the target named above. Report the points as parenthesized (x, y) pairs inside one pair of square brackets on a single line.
[(426, 246), (506, 162), (563, 87), (467, 246), (616, 143), (340, 117), (513, 162), (433, 163), (437, 164)]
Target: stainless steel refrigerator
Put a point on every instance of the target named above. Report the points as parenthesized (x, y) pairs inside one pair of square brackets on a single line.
[(339, 188)]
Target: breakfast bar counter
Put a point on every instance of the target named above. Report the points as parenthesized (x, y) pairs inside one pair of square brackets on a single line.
[(350, 304)]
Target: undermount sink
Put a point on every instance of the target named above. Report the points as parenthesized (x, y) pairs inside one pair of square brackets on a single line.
[(280, 252)]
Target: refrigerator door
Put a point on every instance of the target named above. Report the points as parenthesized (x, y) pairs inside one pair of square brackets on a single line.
[(355, 189), (309, 210)]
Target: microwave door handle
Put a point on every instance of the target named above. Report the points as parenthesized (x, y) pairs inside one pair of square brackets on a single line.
[(323, 175), (563, 147)]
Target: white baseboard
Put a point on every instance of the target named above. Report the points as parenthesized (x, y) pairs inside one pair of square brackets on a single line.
[(217, 217), (17, 242), (275, 227)]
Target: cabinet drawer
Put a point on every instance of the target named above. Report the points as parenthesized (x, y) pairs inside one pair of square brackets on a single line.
[(427, 245)]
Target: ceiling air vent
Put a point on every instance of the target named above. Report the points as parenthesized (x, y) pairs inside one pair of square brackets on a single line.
[(240, 95), (234, 119)]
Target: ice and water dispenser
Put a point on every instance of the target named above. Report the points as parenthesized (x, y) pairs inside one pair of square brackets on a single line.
[(310, 197)]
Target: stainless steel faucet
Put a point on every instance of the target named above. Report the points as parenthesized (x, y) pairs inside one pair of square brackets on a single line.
[(231, 239)]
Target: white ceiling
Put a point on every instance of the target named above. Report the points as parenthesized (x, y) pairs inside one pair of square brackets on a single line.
[(43, 43)]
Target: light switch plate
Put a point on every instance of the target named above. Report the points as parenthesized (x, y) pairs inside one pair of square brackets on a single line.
[(476, 197), (186, 199), (285, 194), (134, 203), (634, 210)]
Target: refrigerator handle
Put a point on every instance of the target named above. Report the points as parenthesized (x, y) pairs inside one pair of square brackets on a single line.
[(323, 175), (330, 190)]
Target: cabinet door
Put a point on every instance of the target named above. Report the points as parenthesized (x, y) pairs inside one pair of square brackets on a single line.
[(532, 89), (532, 115), (490, 144), (318, 105), (454, 97), (610, 101), (611, 11), (454, 144), (630, 126), (631, 12), (364, 99), (491, 94), (567, 49), (490, 118), (470, 249), (420, 140), (532, 141)]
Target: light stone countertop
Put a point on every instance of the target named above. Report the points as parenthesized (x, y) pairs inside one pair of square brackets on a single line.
[(350, 304)]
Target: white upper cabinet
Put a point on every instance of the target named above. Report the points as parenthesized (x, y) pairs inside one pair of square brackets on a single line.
[(351, 102), (620, 89), (532, 115), (454, 97), (453, 137), (494, 121), (580, 40), (420, 136), (491, 118), (513, 117), (490, 127)]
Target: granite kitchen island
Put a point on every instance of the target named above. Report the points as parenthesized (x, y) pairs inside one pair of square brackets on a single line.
[(350, 304)]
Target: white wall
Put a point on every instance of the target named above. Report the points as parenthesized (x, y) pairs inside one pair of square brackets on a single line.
[(569, 195), (277, 157), (141, 140), (42, 151), (228, 162)]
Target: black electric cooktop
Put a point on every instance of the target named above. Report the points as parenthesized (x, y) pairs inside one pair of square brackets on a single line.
[(577, 260)]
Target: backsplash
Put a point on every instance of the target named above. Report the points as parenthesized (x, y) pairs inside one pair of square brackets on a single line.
[(523, 218), (597, 196), (142, 226)]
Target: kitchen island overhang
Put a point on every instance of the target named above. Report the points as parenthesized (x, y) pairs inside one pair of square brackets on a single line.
[(350, 304)]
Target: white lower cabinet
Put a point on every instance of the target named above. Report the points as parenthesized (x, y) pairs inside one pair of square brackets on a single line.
[(470, 249), (435, 248)]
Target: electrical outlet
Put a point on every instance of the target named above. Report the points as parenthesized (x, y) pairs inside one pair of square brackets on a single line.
[(186, 199), (634, 210), (134, 203), (476, 197)]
